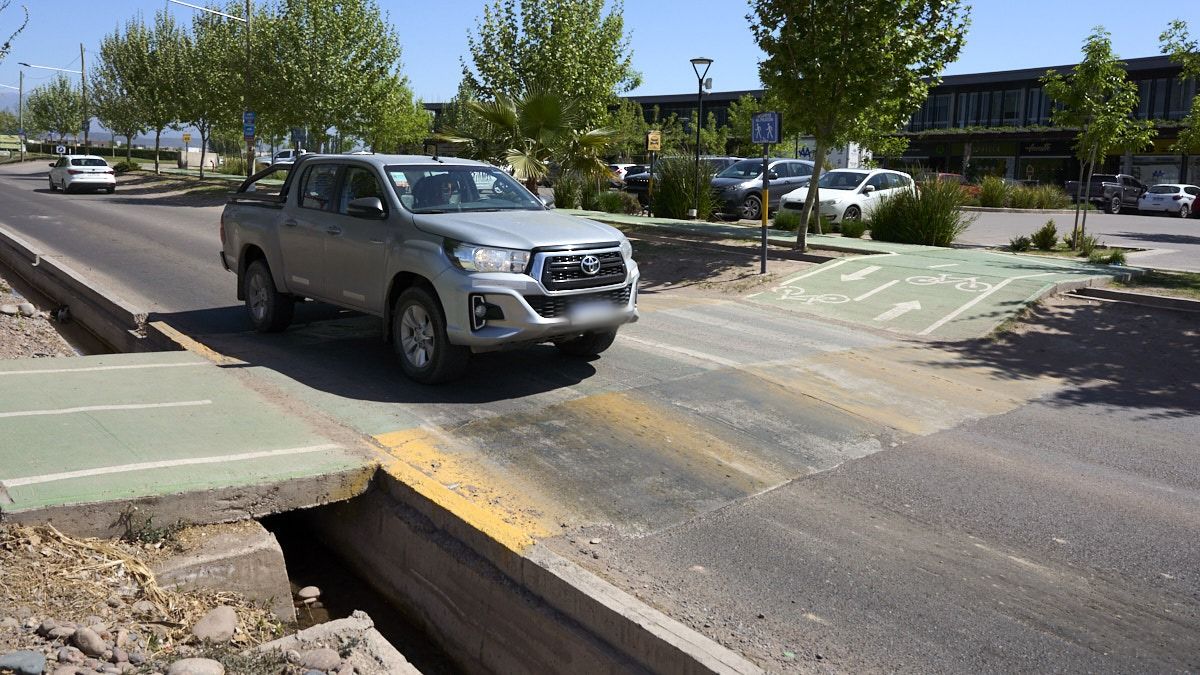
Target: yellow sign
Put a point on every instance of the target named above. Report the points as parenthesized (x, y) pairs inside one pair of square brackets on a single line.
[(654, 141), (187, 138)]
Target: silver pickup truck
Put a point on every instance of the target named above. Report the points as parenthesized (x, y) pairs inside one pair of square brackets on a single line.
[(454, 255)]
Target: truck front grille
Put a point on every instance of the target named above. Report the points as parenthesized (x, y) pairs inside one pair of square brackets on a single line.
[(554, 306), (564, 272)]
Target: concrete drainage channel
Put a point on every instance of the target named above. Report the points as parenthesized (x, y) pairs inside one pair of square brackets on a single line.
[(486, 603)]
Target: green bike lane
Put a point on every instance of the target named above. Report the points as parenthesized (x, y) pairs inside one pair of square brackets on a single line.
[(116, 427), (932, 292)]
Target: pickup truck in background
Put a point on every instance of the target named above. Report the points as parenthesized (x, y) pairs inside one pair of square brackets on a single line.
[(455, 256), (1109, 192)]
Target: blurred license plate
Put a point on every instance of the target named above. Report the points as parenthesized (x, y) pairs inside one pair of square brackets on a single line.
[(591, 311)]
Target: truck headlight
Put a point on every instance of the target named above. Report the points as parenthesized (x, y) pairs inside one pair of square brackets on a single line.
[(626, 249), (486, 259)]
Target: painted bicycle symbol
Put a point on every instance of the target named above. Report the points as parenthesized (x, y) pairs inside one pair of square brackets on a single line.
[(968, 284), (798, 295)]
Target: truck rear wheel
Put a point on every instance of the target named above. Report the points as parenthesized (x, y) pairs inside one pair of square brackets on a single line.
[(420, 341), (1114, 206), (270, 311), (588, 344)]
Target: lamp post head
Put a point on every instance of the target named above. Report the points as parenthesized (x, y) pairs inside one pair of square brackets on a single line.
[(701, 61), (22, 63)]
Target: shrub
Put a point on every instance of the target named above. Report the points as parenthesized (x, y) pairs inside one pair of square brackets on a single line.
[(1088, 244), (233, 166), (1114, 256), (1050, 197), (853, 229), (612, 201), (125, 167), (993, 192), (675, 189), (589, 195), (1019, 244), (567, 192), (929, 216), (1021, 197), (1046, 237), (970, 195), (787, 219)]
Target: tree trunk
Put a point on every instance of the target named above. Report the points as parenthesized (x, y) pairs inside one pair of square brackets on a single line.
[(1078, 204), (157, 138), (129, 147), (813, 198), (1088, 192), (203, 151)]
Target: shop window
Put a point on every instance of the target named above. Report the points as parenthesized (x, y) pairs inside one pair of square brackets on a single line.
[(1143, 111), (940, 118), (1158, 110), (1179, 100), (997, 109), (1012, 108)]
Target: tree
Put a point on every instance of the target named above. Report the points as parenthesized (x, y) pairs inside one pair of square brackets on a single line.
[(6, 46), (8, 122), (628, 122), (1184, 50), (1099, 99), (211, 63), (55, 107), (115, 107), (567, 46), (394, 119), (150, 64), (847, 70)]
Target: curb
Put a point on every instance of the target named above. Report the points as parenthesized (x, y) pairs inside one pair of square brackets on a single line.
[(1144, 299), (116, 323), (1003, 209)]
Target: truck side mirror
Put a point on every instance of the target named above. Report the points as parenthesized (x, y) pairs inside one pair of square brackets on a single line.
[(546, 201), (365, 207)]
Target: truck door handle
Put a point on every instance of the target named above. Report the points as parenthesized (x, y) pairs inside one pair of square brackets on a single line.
[(290, 223), (333, 230), (376, 241)]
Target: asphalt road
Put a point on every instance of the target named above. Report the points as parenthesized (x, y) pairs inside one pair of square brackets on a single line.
[(883, 504), (1171, 242)]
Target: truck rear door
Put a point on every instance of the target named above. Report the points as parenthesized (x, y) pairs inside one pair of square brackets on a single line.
[(302, 234)]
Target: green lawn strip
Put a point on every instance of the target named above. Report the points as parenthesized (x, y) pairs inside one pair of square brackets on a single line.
[(1170, 284)]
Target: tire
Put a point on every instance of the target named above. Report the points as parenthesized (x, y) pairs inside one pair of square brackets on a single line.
[(420, 341), (1114, 205), (270, 311), (53, 187), (852, 213), (1185, 211), (751, 208), (588, 344), (110, 190)]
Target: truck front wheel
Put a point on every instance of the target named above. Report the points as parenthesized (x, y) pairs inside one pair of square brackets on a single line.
[(270, 311), (1114, 206), (420, 342), (588, 344)]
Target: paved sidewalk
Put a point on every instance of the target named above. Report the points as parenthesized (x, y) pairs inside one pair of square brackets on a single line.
[(126, 426)]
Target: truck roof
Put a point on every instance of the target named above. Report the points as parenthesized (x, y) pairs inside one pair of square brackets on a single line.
[(383, 160)]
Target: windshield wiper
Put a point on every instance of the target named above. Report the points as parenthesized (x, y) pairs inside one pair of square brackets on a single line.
[(424, 211)]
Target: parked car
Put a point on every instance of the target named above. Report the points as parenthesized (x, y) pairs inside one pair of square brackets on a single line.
[(1109, 192), (288, 155), (1170, 198), (620, 171), (82, 172), (739, 187), (639, 183), (451, 268), (849, 194)]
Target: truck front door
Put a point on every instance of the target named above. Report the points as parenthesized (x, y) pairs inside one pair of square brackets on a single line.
[(303, 232), (356, 254)]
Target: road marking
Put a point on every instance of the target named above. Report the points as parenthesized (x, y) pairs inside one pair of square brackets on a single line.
[(976, 300), (898, 309), (868, 294), (820, 268), (938, 267), (703, 356), (1081, 267), (98, 408), (861, 274), (96, 369), (165, 464)]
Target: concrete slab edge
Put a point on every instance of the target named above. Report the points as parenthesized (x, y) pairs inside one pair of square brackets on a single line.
[(1144, 299), (357, 629), (113, 321)]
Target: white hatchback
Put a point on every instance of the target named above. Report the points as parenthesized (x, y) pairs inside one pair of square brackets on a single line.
[(82, 172), (850, 194), (1170, 198)]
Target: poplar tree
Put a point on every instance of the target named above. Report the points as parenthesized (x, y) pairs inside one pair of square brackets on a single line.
[(55, 107)]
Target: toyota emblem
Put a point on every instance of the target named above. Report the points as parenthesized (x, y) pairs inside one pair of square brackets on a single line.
[(590, 264)]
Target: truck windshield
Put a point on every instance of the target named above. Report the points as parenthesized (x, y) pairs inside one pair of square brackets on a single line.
[(1103, 178), (440, 189)]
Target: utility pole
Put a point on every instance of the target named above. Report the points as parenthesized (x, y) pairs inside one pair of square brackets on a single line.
[(246, 99), (21, 115), (87, 122)]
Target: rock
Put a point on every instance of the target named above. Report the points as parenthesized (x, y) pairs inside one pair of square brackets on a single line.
[(122, 638), (24, 662), (65, 670), (346, 670), (70, 655), (196, 667), (88, 642), (9, 623), (593, 541), (61, 633), (119, 655), (145, 608), (46, 626), (218, 625), (308, 592), (9, 310), (320, 659), (137, 658), (115, 601), (91, 621), (26, 309), (292, 656)]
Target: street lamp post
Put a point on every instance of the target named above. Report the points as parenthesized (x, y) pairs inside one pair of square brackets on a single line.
[(696, 63), (246, 79), (82, 90)]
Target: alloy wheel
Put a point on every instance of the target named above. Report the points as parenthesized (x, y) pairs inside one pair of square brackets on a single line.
[(416, 336)]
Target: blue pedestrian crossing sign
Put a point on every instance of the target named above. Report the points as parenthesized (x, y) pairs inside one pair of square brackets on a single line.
[(765, 127)]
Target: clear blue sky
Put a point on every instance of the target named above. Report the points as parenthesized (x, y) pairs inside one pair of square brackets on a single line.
[(1005, 34)]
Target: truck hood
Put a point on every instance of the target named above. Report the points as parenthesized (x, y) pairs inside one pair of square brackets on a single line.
[(523, 230)]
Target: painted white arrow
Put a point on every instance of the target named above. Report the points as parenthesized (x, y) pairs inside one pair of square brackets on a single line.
[(861, 274), (898, 309)]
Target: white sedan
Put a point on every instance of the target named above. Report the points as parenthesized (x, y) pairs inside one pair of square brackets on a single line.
[(1170, 198), (850, 194), (75, 172)]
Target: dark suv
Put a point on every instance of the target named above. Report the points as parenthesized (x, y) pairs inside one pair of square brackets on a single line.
[(738, 188)]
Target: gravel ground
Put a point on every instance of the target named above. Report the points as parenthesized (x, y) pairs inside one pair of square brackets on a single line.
[(32, 336)]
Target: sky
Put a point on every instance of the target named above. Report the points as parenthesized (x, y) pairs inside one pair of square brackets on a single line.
[(664, 35)]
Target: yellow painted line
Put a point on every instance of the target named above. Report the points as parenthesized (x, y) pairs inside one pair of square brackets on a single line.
[(188, 344), (478, 496)]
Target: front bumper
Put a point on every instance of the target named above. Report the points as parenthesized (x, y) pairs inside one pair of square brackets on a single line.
[(515, 296)]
